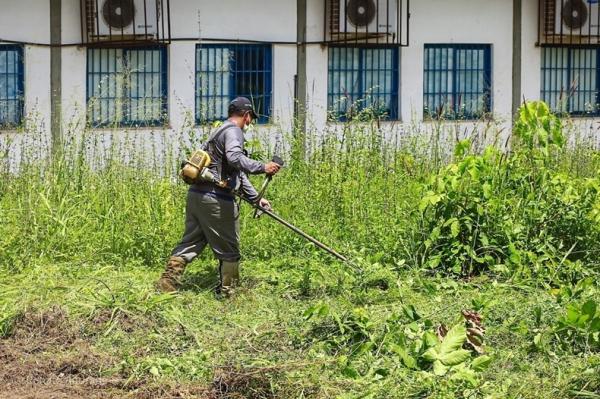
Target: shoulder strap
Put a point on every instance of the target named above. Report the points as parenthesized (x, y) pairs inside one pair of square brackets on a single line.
[(217, 133), (211, 149)]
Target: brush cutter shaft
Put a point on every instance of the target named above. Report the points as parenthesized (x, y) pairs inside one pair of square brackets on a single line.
[(295, 229), (265, 184), (261, 194)]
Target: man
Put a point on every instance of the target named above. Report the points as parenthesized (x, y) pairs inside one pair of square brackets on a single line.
[(211, 215)]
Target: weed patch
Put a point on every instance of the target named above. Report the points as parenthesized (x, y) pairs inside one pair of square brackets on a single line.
[(474, 274)]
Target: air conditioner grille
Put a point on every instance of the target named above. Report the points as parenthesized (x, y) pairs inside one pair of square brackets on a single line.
[(361, 12), (574, 14), (573, 22), (367, 21), (118, 14)]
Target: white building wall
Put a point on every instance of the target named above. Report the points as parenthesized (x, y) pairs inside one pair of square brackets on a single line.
[(262, 20), (73, 69), (578, 128), (25, 20), (28, 21), (432, 21), (458, 21), (193, 22), (190, 21), (531, 55), (316, 67)]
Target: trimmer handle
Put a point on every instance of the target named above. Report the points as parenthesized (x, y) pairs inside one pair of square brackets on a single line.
[(278, 160), (261, 193)]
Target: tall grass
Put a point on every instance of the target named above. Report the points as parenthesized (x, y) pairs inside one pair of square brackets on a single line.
[(110, 199)]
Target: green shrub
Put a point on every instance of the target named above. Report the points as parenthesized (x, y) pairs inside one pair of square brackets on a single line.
[(388, 200), (515, 212)]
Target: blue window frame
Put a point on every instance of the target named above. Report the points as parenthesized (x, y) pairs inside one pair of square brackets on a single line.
[(224, 72), (11, 85), (127, 86), (457, 81), (361, 78), (570, 80)]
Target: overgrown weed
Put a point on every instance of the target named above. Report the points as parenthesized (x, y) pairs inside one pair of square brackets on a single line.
[(509, 234)]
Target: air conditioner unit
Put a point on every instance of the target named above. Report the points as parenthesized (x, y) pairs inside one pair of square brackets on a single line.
[(368, 16), (130, 19), (576, 18)]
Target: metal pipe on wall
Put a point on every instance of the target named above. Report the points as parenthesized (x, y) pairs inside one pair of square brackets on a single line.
[(55, 75)]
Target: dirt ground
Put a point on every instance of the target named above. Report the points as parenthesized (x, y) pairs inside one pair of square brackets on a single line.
[(47, 357)]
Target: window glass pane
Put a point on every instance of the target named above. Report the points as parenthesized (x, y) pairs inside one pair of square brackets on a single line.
[(228, 71), (11, 85), (3, 61), (362, 79), (555, 77), (582, 80), (378, 69), (103, 92), (456, 81), (569, 80), (10, 62), (438, 80), (126, 87), (146, 86)]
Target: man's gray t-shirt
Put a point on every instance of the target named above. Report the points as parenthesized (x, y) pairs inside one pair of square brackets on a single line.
[(226, 148)]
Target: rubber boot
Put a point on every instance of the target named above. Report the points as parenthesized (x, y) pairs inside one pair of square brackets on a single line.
[(171, 277), (229, 273)]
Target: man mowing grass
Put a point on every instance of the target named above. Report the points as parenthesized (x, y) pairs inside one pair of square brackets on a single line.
[(211, 214)]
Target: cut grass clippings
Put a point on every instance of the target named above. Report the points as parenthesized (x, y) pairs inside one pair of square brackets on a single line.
[(108, 325)]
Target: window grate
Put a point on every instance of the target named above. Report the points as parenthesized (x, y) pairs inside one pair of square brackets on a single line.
[(11, 85), (125, 22), (568, 23), (570, 81), (378, 22), (457, 81), (363, 78), (127, 86), (224, 72)]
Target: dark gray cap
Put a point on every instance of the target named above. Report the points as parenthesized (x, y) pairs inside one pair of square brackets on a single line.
[(242, 104)]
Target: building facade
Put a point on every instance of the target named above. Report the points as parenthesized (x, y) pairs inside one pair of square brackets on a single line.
[(459, 61)]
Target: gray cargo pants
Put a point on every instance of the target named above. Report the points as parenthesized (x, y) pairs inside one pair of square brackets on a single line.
[(210, 219)]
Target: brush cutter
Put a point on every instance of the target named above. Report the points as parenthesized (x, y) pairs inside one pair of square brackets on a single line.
[(261, 193), (196, 168), (259, 210), (293, 228)]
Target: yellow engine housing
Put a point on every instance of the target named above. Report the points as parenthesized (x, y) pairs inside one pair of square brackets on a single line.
[(191, 171)]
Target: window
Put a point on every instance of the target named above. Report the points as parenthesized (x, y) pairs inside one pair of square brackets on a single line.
[(127, 86), (457, 81), (224, 72), (570, 82), (363, 78), (11, 85)]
